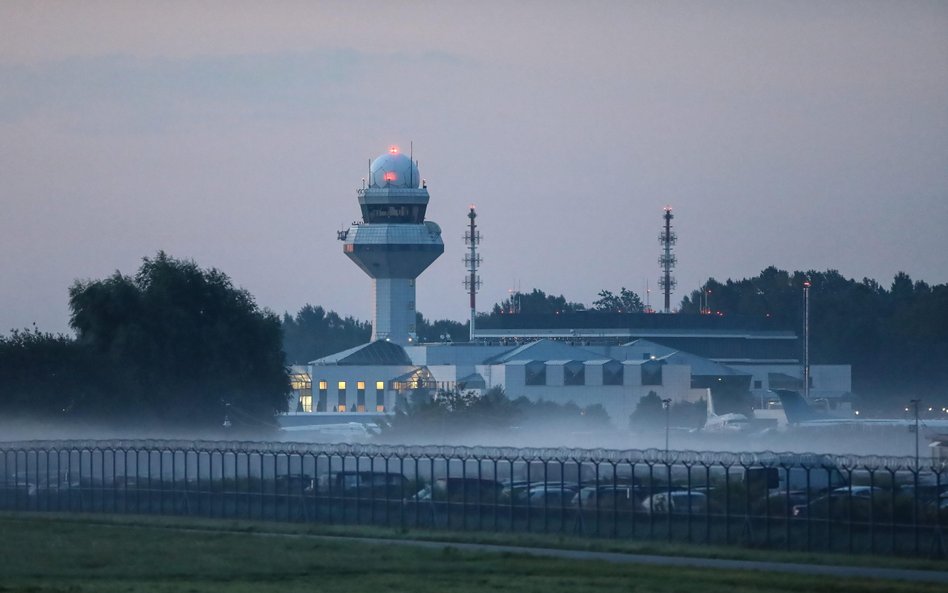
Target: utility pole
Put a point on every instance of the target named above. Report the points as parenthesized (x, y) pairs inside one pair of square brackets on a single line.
[(915, 403), (472, 261), (667, 259), (666, 404), (806, 340)]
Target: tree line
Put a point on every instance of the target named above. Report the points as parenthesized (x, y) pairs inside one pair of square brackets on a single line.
[(174, 346), (178, 345), (895, 337)]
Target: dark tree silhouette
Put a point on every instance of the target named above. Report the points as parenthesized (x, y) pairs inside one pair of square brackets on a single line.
[(183, 345), (313, 333), (625, 302), (536, 302)]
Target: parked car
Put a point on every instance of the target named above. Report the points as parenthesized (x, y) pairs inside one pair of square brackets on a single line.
[(21, 482), (611, 497), (781, 502), (676, 501), (551, 495), (460, 489), (364, 484), (845, 501)]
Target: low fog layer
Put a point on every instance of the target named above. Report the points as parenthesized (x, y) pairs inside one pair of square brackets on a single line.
[(888, 441)]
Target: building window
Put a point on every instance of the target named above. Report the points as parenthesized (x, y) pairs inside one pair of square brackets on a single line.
[(411, 305), (574, 373), (323, 396), (341, 401), (652, 373), (303, 386), (612, 373), (380, 396), (341, 408), (535, 373), (758, 384), (360, 396)]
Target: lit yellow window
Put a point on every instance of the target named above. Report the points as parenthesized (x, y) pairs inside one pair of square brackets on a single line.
[(380, 385), (380, 408), (361, 407), (360, 385), (342, 385), (324, 385), (342, 407), (306, 402)]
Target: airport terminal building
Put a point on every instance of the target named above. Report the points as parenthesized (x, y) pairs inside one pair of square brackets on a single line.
[(587, 358)]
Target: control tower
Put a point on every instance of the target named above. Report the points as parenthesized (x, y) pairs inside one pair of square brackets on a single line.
[(393, 244)]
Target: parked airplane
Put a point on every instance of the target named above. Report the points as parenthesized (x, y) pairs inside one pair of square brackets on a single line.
[(730, 422), (347, 432), (800, 413)]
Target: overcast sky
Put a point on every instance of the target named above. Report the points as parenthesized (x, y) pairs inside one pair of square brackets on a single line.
[(800, 135)]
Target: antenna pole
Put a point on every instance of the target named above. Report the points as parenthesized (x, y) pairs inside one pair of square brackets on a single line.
[(472, 261), (667, 259), (648, 296)]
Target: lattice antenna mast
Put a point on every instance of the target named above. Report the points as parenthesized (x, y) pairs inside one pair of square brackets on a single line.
[(472, 261), (667, 259)]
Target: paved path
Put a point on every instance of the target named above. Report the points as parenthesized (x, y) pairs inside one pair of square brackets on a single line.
[(866, 572)]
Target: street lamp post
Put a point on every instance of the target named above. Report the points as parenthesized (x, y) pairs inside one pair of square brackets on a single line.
[(806, 340), (915, 403), (666, 405)]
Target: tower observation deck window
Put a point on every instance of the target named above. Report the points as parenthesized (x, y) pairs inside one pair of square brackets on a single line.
[(394, 213)]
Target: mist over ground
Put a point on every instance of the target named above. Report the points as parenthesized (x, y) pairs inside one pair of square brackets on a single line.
[(856, 440)]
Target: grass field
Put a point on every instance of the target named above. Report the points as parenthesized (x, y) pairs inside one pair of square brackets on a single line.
[(43, 553)]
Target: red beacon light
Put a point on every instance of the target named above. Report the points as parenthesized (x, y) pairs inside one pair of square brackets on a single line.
[(390, 176), (393, 149)]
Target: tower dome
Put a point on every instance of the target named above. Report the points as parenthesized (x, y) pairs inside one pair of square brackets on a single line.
[(394, 169)]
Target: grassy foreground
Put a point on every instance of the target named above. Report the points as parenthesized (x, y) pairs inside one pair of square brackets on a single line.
[(49, 553)]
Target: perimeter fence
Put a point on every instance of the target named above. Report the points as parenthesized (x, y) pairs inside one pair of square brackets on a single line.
[(798, 502)]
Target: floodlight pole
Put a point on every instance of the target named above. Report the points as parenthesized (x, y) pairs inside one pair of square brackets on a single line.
[(666, 404), (915, 403), (806, 340)]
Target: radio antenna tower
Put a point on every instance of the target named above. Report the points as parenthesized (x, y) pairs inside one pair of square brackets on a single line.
[(667, 259), (472, 261)]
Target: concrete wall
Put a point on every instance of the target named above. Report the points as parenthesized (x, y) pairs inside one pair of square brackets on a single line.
[(618, 400)]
